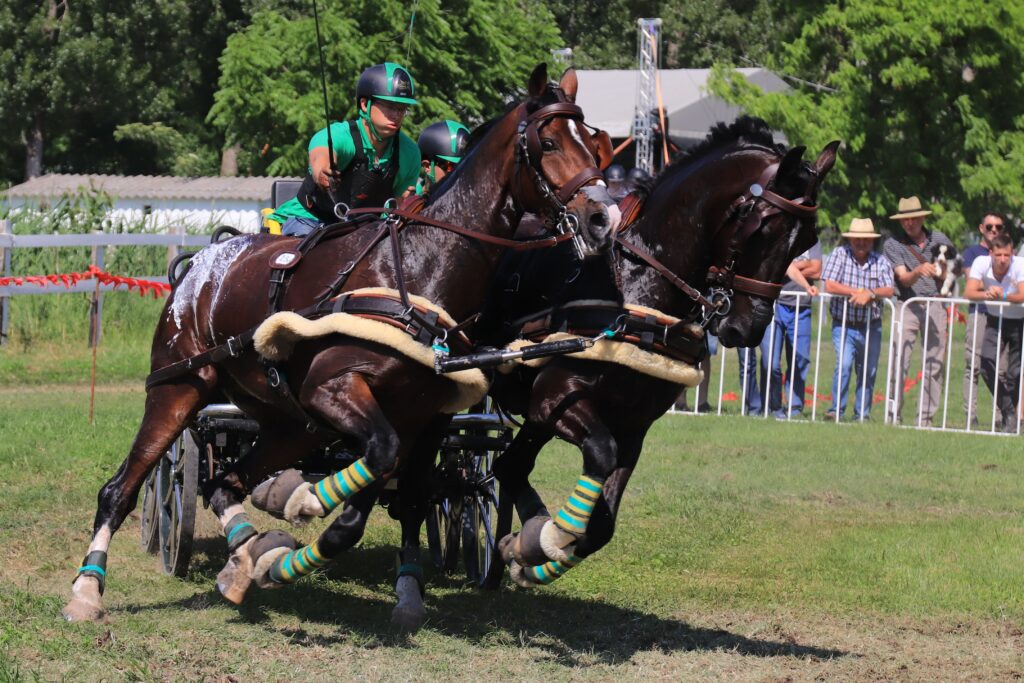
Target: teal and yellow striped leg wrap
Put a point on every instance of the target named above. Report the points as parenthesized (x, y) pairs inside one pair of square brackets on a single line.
[(575, 514), (297, 563), (549, 571), (334, 490)]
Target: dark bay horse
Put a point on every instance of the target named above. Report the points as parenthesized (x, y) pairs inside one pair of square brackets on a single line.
[(730, 215), (536, 158)]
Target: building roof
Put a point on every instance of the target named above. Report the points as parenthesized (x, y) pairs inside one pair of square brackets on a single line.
[(146, 187), (608, 98)]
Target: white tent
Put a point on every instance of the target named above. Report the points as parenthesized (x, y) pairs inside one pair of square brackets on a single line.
[(608, 98)]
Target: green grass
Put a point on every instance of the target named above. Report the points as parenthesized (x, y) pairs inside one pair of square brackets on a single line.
[(746, 550)]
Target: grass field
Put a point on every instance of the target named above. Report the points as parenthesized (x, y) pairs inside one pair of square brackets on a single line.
[(746, 550)]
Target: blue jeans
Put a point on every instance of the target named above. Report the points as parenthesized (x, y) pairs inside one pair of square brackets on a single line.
[(852, 356), (297, 226), (787, 331), (748, 381)]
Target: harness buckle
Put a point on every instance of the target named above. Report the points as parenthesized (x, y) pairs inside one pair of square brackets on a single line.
[(235, 347), (341, 210)]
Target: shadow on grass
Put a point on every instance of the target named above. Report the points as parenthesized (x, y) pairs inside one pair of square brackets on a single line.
[(355, 594)]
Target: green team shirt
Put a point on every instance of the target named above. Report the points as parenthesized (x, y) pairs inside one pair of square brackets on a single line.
[(345, 151)]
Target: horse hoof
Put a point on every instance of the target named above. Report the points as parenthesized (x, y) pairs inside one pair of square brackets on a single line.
[(506, 548), (518, 576), (266, 549), (234, 579), (556, 543), (529, 551), (408, 618), (82, 609), (272, 495)]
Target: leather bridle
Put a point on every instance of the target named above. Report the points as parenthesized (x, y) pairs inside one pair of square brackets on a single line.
[(750, 212), (529, 158)]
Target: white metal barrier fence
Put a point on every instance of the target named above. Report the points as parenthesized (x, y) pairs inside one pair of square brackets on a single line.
[(913, 341)]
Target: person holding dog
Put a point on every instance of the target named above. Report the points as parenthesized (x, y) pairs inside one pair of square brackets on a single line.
[(911, 255), (999, 277), (992, 223), (864, 277)]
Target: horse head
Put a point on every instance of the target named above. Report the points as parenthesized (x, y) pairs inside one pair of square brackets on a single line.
[(557, 166), (772, 223)]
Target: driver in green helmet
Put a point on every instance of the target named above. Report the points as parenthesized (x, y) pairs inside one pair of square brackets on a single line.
[(375, 160), (442, 145)]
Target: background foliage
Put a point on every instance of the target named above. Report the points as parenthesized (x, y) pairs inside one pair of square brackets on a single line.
[(927, 96)]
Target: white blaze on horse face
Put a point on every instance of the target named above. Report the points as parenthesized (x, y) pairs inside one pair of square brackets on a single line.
[(209, 266)]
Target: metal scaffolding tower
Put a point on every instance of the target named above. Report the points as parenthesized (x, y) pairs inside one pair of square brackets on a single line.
[(648, 32)]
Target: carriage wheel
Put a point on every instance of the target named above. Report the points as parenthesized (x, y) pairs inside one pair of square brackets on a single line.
[(148, 529), (479, 521), (443, 530), (177, 485)]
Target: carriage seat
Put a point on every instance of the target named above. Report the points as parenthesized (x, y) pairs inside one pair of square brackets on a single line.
[(280, 192)]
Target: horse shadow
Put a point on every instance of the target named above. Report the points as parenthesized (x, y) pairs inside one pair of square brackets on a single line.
[(355, 596)]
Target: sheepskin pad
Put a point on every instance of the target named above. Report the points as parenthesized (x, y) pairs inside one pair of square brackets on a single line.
[(277, 335), (627, 354)]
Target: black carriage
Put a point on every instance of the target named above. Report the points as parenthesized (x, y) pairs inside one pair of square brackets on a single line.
[(463, 505)]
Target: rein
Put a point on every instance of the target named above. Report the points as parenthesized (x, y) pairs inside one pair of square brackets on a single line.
[(753, 208)]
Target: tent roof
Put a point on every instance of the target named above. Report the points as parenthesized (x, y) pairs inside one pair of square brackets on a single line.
[(146, 187), (608, 97)]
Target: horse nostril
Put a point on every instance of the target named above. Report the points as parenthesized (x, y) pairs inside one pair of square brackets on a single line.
[(599, 219)]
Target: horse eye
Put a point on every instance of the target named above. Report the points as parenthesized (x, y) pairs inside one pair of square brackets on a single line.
[(548, 145)]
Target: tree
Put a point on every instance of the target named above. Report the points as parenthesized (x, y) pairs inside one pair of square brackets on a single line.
[(927, 96), (77, 71), (465, 55)]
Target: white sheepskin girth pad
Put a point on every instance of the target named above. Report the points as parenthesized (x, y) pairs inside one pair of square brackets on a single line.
[(628, 354), (276, 337)]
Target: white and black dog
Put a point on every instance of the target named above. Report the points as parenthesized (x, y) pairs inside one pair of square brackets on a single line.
[(948, 265)]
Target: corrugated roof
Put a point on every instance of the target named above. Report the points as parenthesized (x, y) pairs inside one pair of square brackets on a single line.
[(608, 98), (146, 187)]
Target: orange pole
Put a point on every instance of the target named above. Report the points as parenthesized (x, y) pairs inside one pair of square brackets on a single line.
[(625, 143)]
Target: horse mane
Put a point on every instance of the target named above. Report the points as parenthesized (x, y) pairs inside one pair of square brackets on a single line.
[(744, 131)]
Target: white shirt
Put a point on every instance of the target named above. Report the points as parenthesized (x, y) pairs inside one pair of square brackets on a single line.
[(981, 269)]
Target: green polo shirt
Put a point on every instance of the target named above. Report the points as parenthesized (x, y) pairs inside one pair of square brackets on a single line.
[(345, 151)]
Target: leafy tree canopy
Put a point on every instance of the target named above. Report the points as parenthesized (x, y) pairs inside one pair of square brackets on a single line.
[(465, 56), (927, 96)]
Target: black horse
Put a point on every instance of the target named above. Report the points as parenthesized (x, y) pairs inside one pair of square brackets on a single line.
[(729, 215)]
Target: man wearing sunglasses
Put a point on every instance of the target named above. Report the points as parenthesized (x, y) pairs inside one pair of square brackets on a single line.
[(374, 160), (442, 145), (992, 223)]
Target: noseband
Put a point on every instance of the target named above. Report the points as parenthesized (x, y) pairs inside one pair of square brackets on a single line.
[(752, 210), (529, 157)]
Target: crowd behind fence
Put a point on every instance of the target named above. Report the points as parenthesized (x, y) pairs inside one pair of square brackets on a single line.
[(957, 411), (731, 381)]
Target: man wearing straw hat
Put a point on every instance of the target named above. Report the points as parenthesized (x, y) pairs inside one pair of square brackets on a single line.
[(911, 256), (856, 272)]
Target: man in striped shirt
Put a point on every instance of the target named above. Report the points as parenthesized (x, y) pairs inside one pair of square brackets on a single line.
[(856, 272)]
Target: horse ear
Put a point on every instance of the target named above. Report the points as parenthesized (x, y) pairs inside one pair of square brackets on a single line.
[(827, 158), (569, 84), (538, 81), (603, 151), (790, 162)]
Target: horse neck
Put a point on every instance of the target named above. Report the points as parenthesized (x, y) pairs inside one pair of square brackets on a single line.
[(449, 269), (679, 222)]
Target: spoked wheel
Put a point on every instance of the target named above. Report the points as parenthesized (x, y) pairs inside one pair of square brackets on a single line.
[(444, 524), (176, 488), (479, 520), (149, 529)]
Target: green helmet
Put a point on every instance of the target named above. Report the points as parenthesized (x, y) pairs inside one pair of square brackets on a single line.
[(387, 81), (444, 140)]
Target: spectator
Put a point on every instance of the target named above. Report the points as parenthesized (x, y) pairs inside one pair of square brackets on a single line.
[(750, 390), (1000, 277), (992, 223), (911, 256), (786, 331), (864, 277)]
